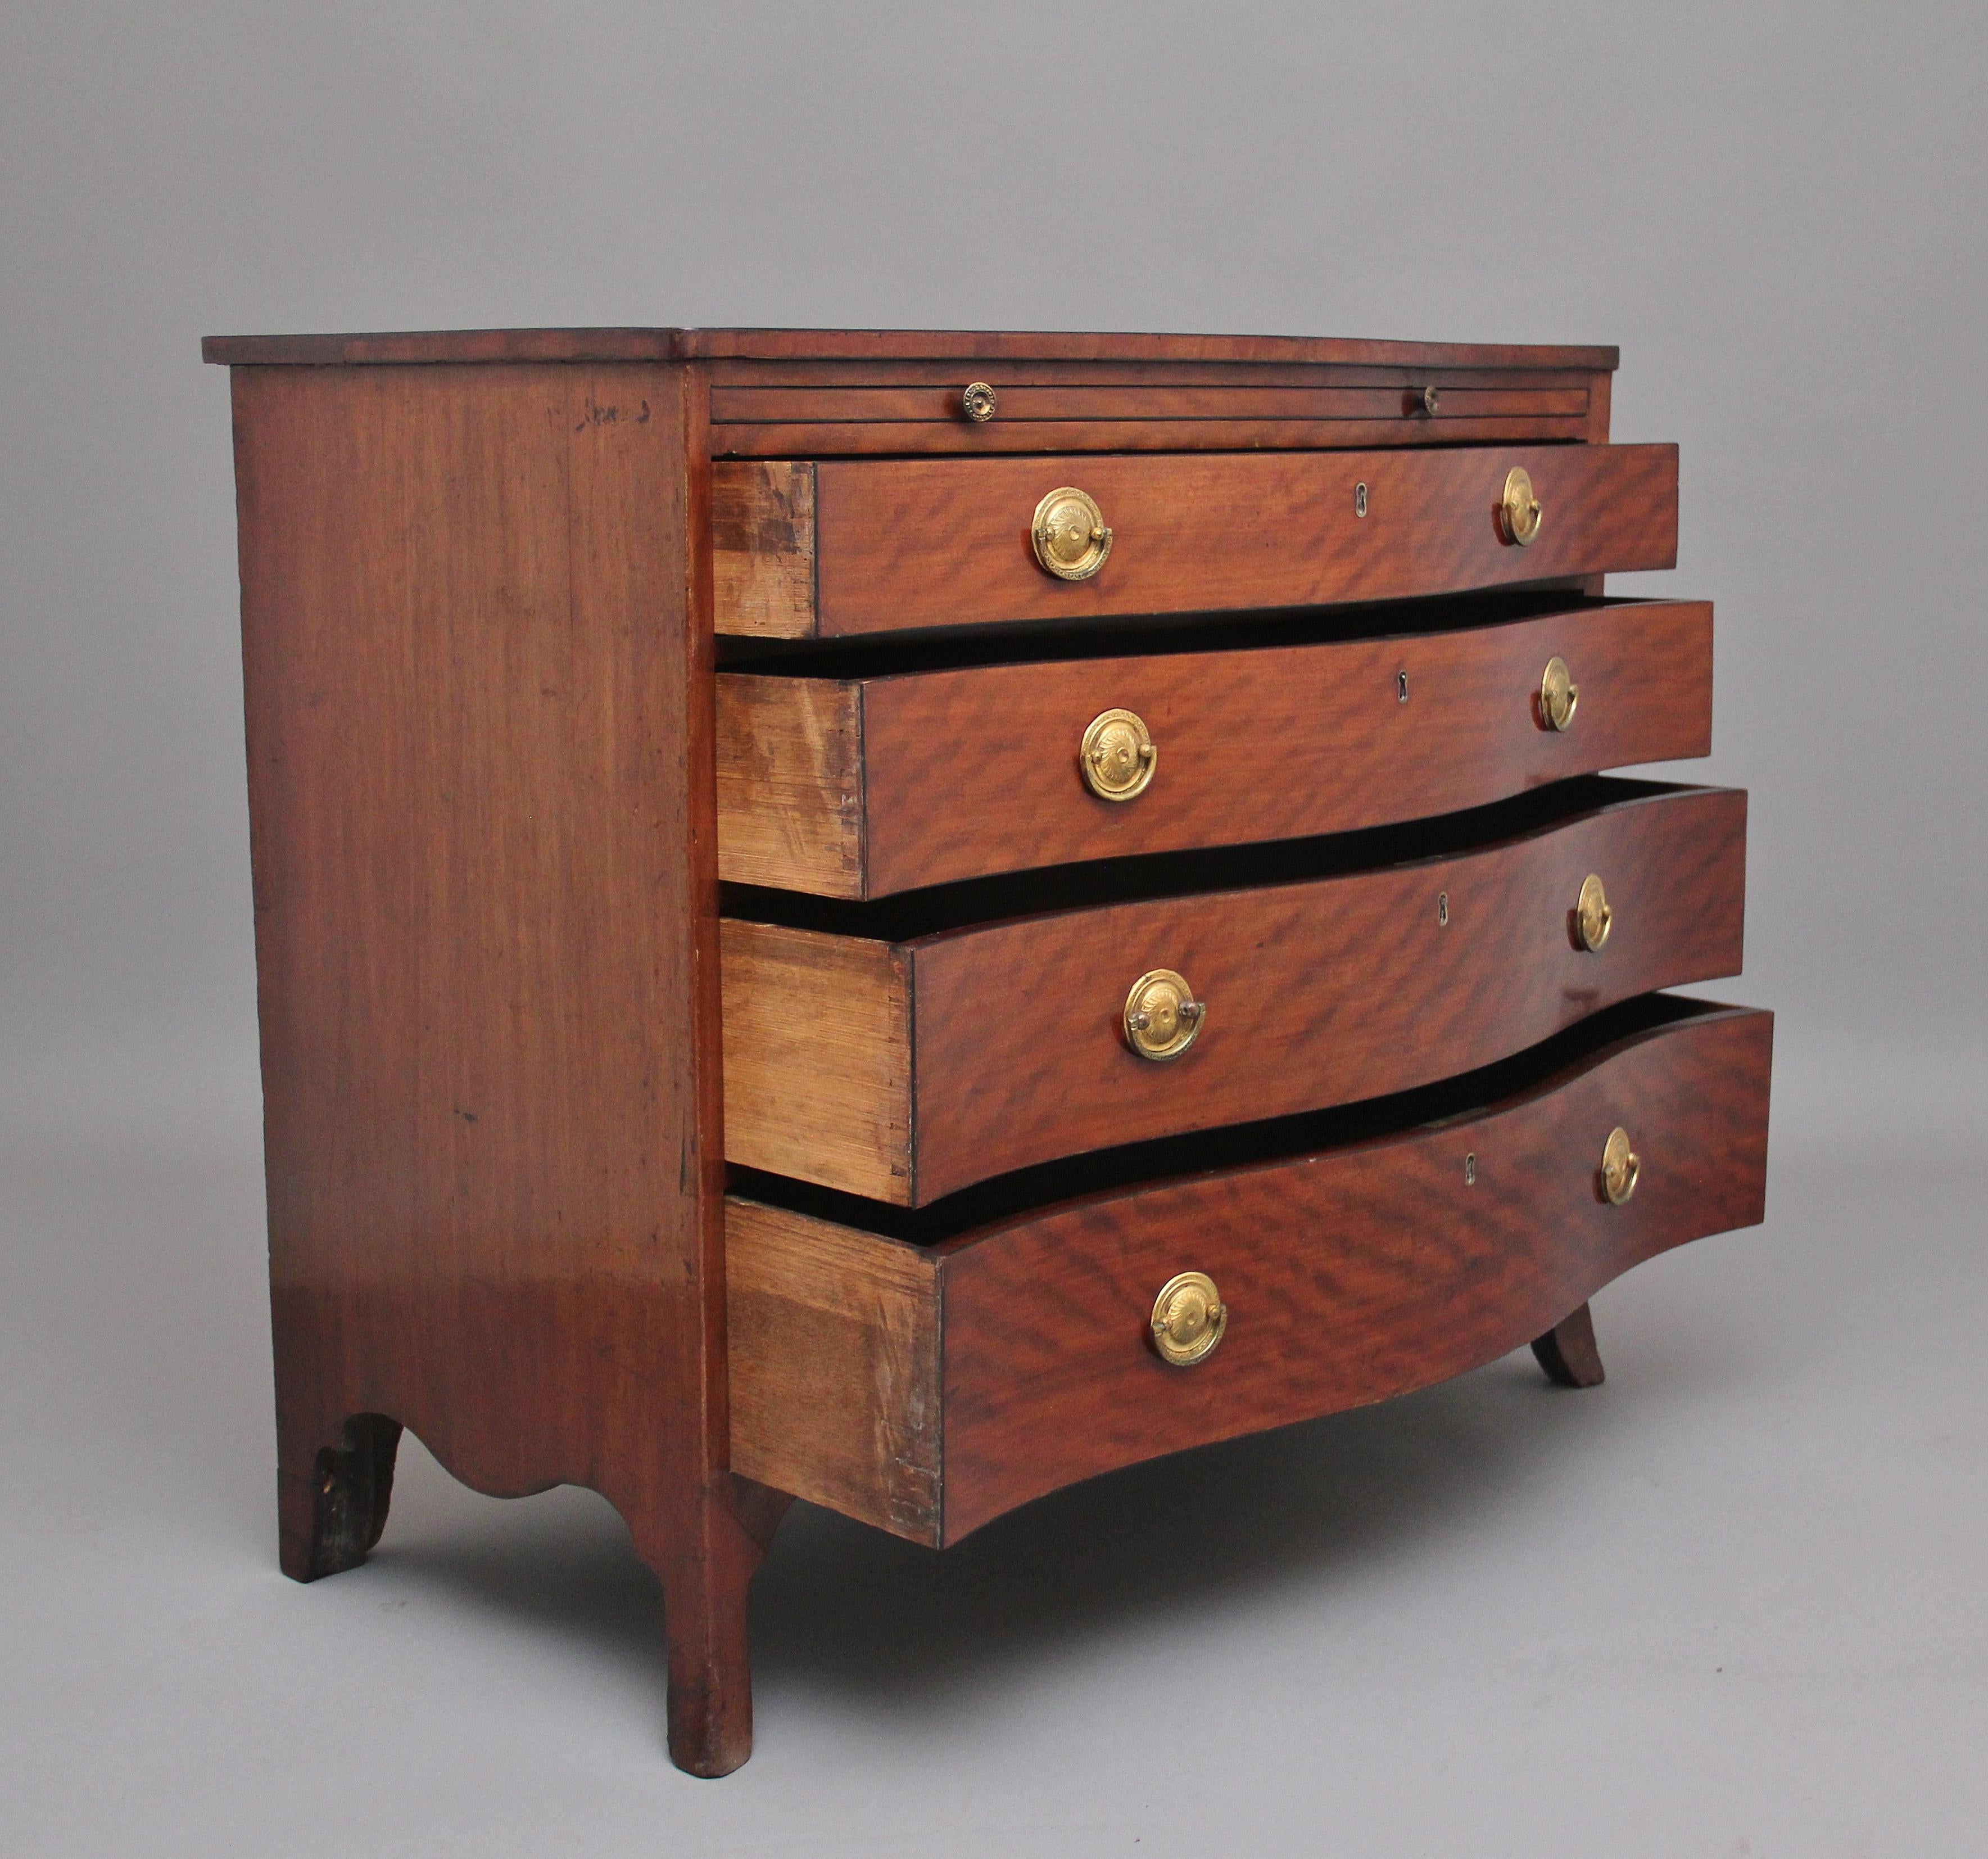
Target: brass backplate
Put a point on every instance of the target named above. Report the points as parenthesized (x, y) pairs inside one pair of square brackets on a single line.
[(1592, 918), (1116, 756), (1162, 1017), (1519, 509), (1620, 1166), (1069, 534), (1188, 1319), (1559, 694)]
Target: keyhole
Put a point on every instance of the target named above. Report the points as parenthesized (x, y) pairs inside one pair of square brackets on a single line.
[(1360, 500), (1442, 909), (1401, 687), (1470, 1170)]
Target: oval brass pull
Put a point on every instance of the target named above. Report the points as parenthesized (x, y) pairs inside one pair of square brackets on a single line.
[(1559, 694), (977, 402), (1069, 533), (1519, 511), (1592, 917), (1117, 756), (1620, 1167), (1162, 1017), (1188, 1319)]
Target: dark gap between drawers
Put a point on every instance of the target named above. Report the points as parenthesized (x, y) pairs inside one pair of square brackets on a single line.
[(910, 915), (890, 653), (1168, 1158)]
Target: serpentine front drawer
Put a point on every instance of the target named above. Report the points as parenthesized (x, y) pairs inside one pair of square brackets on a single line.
[(858, 787), (928, 1388), (908, 1063), (836, 547)]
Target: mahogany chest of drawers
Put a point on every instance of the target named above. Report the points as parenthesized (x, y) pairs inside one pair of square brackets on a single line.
[(903, 919)]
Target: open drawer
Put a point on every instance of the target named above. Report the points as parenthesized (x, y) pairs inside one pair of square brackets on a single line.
[(906, 1048), (927, 1387), (830, 548)]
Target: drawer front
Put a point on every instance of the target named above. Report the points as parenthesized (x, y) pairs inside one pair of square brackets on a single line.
[(861, 788), (928, 1391), (904, 1072), (853, 546)]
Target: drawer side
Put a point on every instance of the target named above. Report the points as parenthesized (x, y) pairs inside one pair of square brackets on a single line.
[(835, 1367), (762, 540), (790, 784), (818, 1057)]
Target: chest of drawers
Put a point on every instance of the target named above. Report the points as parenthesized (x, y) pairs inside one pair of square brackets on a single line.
[(905, 919)]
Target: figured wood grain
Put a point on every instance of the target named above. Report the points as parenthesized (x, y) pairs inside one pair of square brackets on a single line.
[(1318, 992), (1350, 1274), (763, 538), (835, 1348), (818, 1057), (923, 543), (478, 694), (959, 774)]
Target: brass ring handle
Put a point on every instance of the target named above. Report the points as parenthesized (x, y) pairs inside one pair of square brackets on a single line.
[(1620, 1167), (1188, 1320), (1519, 510), (1069, 534), (1117, 756), (1162, 1017), (1593, 916), (1559, 695), (978, 403)]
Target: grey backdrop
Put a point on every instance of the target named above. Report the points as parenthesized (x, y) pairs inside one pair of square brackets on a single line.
[(1728, 1604)]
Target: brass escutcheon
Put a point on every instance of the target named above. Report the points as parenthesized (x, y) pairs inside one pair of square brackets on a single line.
[(1519, 509), (1592, 917), (1162, 1017), (1188, 1319), (1559, 694), (1117, 756), (1069, 534), (977, 402), (1620, 1166)]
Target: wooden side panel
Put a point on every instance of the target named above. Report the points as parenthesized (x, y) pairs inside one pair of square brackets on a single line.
[(1269, 744), (762, 528), (818, 1057), (470, 699), (1350, 1276), (835, 1367), (477, 649), (790, 784), (1318, 992), (921, 543)]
